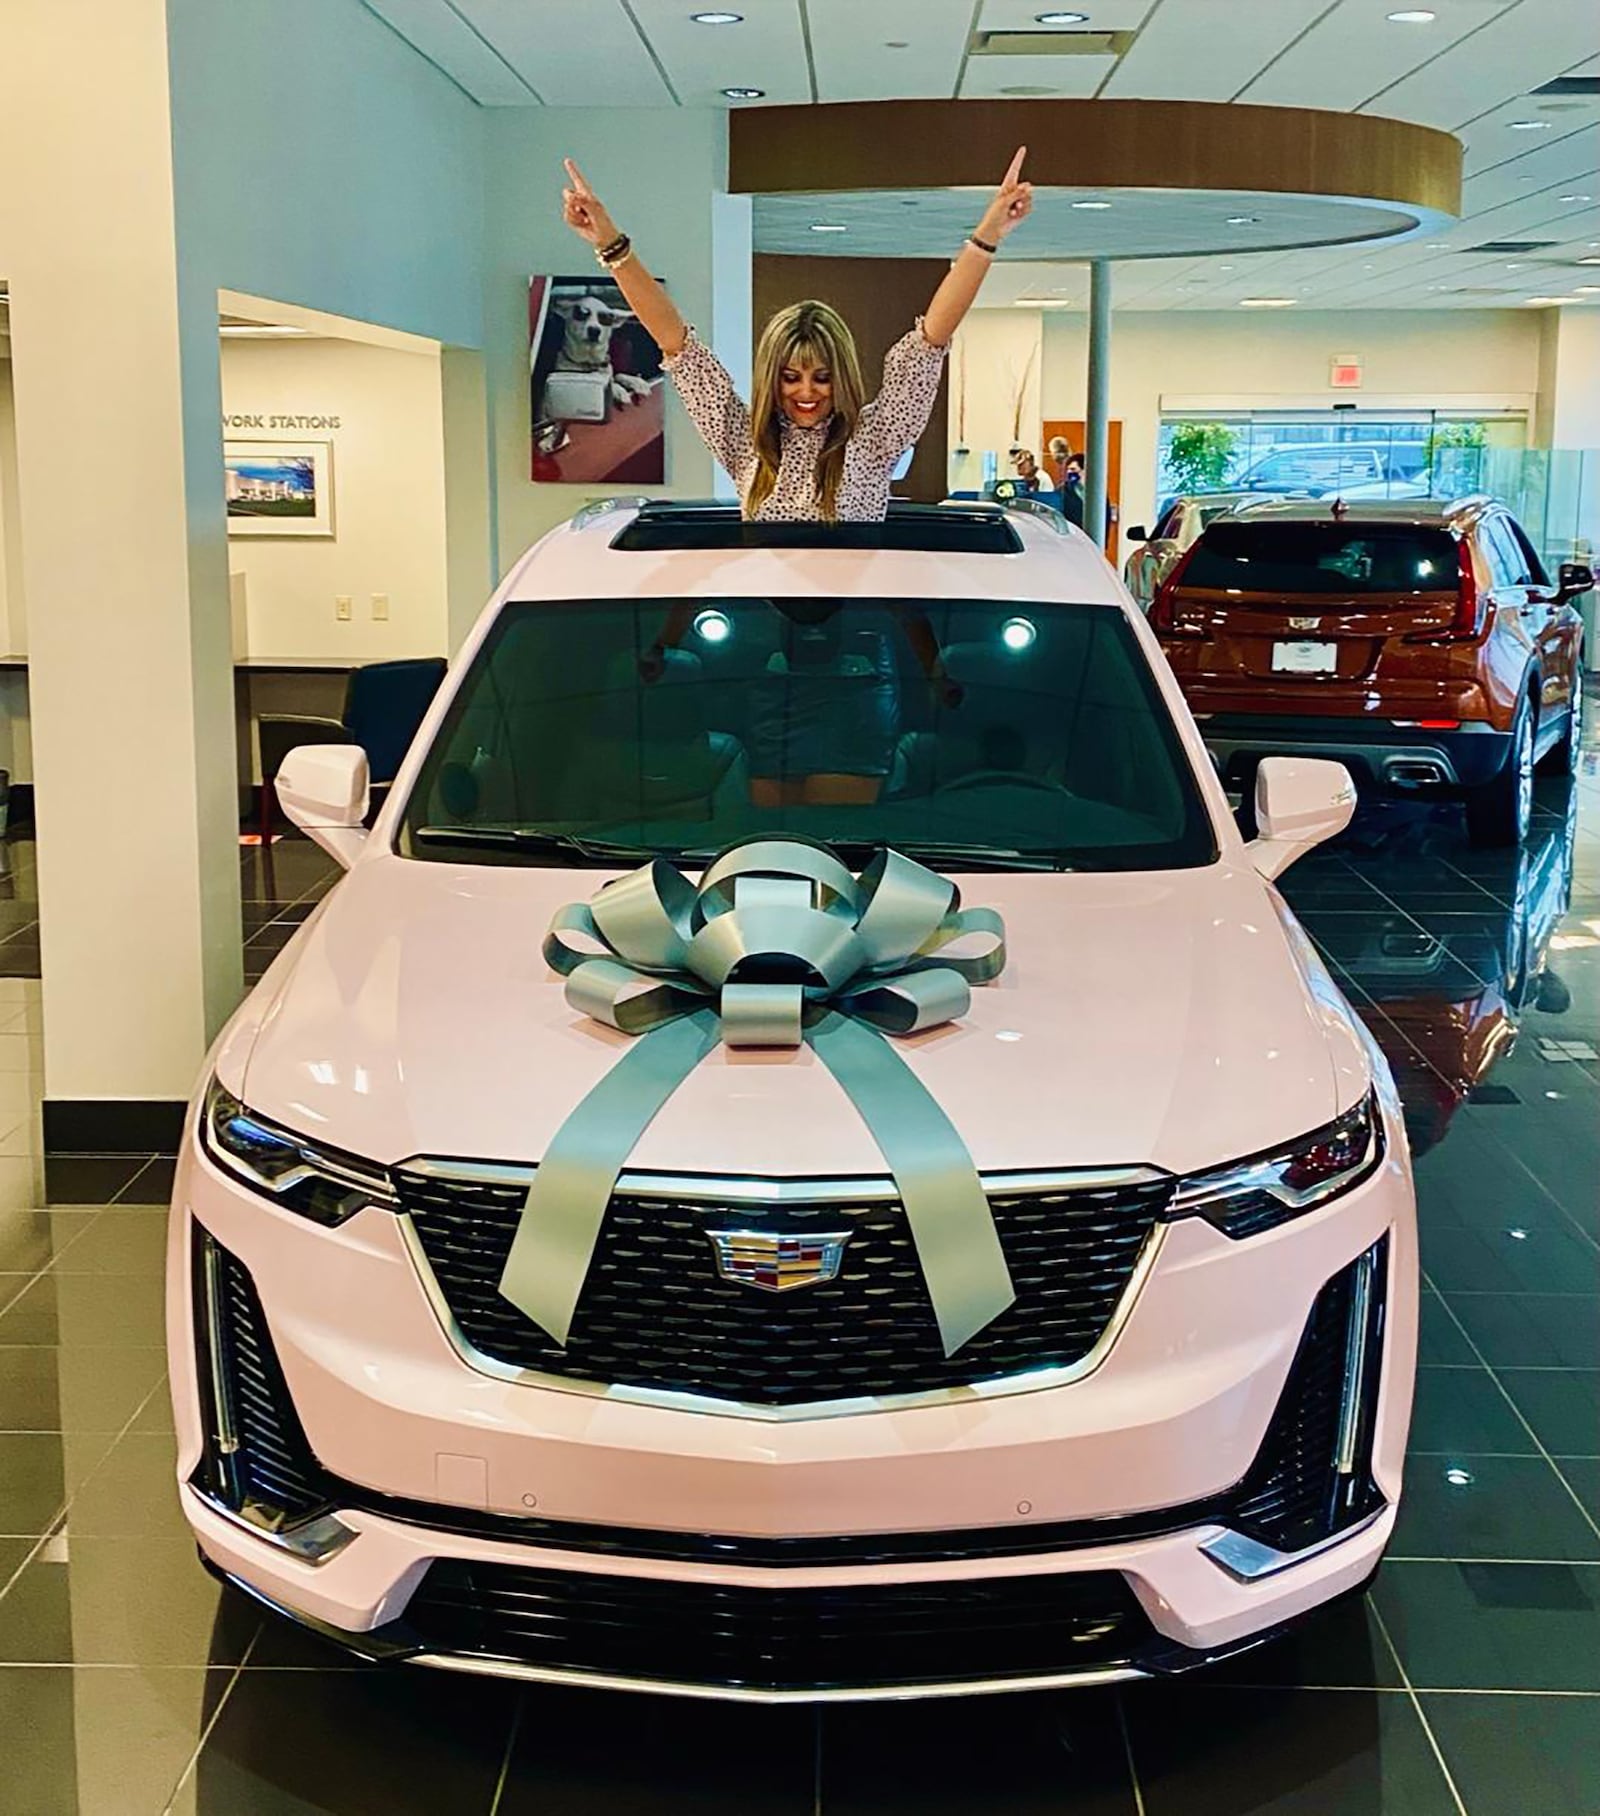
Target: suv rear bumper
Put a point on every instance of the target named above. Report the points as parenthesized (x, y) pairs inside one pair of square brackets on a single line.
[(1379, 753)]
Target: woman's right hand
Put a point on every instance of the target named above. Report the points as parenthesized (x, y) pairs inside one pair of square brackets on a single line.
[(583, 211)]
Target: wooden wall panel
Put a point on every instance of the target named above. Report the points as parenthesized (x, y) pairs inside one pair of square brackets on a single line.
[(880, 299)]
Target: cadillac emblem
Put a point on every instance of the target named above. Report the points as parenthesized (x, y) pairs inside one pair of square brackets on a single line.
[(775, 1263)]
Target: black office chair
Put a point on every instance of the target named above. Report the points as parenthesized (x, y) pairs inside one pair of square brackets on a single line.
[(384, 703)]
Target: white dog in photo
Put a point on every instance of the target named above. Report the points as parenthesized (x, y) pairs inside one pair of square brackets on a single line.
[(588, 324)]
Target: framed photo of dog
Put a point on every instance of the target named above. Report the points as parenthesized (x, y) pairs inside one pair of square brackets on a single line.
[(596, 388)]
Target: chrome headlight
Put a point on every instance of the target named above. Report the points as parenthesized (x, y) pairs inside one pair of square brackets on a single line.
[(1249, 1196), (302, 1176)]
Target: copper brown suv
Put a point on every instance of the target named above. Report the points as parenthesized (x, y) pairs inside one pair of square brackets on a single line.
[(1421, 643)]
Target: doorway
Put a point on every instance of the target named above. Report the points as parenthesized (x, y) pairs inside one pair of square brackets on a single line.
[(1073, 431)]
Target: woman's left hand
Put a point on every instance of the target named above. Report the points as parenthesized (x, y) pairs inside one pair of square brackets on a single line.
[(1012, 203)]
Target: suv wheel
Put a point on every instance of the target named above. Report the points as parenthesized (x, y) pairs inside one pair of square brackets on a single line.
[(1562, 759), (1498, 813)]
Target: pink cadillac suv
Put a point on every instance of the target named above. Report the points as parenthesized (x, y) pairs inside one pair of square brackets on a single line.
[(806, 1158)]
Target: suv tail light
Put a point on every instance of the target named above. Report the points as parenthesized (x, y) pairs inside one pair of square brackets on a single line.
[(1467, 625), (1163, 615)]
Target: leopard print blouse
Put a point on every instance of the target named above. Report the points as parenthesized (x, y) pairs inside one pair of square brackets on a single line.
[(888, 426)]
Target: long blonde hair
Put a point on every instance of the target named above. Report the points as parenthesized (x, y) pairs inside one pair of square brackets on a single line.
[(807, 333)]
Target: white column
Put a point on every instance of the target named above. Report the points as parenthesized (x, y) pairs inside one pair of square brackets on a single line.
[(732, 304), (1096, 428), (129, 669)]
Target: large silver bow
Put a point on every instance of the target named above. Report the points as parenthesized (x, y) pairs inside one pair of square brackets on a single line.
[(781, 944)]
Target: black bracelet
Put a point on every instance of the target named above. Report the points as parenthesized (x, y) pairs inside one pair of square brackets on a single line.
[(615, 250), (983, 245)]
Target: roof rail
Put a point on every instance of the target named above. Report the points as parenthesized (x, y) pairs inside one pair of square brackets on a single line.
[(963, 529)]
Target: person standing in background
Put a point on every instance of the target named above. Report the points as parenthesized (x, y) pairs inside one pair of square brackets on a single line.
[(1072, 490)]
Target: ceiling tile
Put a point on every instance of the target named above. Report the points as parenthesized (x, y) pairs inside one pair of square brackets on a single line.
[(1528, 43), (766, 51), (988, 78), (447, 41), (1354, 49), (850, 46), (1206, 50), (591, 56)]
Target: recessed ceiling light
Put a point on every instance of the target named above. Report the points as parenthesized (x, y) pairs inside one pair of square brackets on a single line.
[(1059, 18), (1546, 302), (1266, 302), (1412, 16), (829, 227), (717, 18), (1094, 205), (1574, 198), (1243, 220), (744, 94), (897, 44), (1225, 267), (1587, 289), (1589, 261), (1529, 125)]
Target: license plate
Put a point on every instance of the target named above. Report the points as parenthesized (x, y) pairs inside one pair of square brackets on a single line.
[(1305, 658)]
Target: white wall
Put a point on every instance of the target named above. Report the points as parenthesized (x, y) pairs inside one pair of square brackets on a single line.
[(298, 150), (1255, 361), (388, 489), (656, 169)]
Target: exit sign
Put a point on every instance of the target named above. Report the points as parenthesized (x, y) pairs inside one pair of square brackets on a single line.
[(1344, 374)]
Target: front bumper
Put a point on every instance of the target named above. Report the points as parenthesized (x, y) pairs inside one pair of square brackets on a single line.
[(1069, 1534)]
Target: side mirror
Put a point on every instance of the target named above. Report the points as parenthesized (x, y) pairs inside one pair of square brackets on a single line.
[(1573, 578), (324, 789), (1138, 533), (1300, 801)]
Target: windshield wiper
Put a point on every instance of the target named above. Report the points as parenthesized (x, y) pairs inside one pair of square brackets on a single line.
[(533, 839), (536, 839), (976, 857)]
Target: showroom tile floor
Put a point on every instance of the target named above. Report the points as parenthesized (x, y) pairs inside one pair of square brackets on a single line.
[(1468, 1681)]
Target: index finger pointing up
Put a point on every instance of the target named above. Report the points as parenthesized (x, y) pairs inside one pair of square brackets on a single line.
[(1016, 167), (579, 181)]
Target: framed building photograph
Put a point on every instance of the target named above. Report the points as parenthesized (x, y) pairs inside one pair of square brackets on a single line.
[(596, 388), (279, 488)]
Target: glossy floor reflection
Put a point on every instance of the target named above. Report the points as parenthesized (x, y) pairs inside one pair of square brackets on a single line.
[(1468, 1681)]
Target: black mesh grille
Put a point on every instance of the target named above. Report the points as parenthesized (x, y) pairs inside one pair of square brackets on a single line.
[(655, 1312), (272, 1469), (1294, 1494), (708, 1633)]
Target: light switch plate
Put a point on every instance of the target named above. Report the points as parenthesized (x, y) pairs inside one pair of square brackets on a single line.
[(341, 607), (380, 606)]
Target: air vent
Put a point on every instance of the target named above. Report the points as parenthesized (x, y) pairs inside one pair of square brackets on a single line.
[(1051, 44), (1571, 85), (1511, 246)]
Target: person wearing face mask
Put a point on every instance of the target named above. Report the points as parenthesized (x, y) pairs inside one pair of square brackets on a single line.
[(810, 445)]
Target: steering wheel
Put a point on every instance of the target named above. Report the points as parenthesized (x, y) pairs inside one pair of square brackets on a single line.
[(999, 778)]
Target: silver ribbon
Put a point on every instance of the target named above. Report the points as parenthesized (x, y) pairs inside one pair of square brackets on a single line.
[(780, 945)]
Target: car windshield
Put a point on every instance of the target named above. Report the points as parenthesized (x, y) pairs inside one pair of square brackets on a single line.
[(968, 733), (1296, 557)]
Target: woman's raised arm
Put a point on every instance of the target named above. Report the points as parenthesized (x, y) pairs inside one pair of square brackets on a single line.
[(586, 215), (959, 287)]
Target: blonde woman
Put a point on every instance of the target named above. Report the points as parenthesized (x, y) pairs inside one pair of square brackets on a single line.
[(811, 446)]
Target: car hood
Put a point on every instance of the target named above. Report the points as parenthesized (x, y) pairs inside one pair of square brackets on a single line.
[(1173, 1019)]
